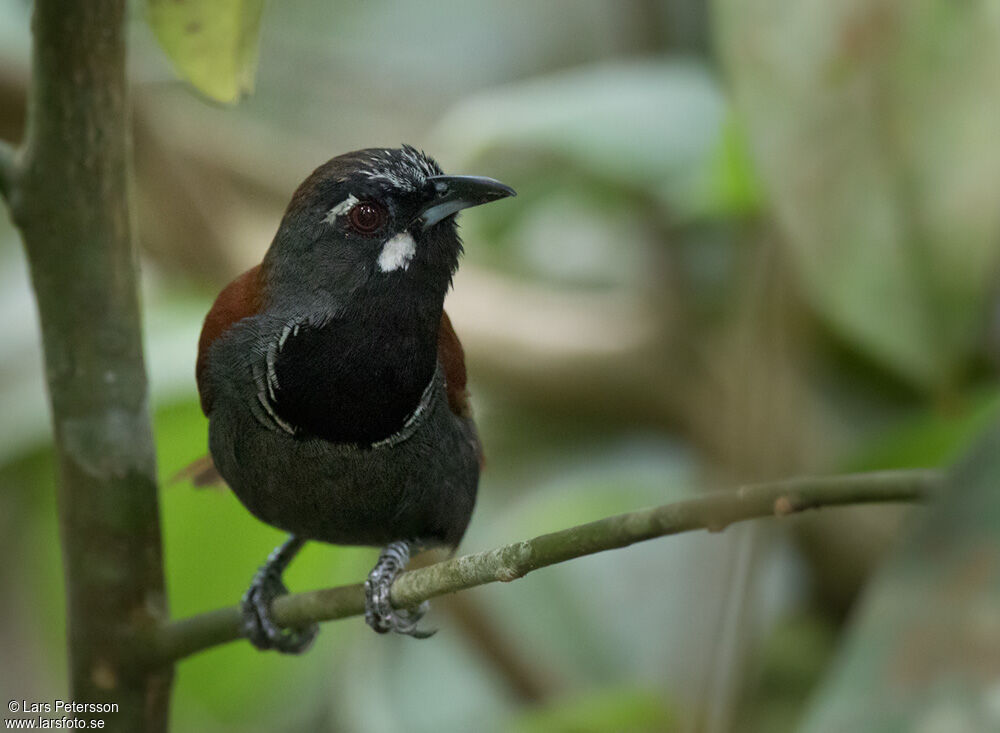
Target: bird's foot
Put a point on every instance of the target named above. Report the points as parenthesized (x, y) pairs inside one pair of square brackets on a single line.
[(379, 613), (258, 625)]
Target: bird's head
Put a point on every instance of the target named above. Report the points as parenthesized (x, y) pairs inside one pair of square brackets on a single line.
[(372, 223)]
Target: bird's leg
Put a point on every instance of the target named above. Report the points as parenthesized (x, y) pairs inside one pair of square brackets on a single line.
[(258, 626), (379, 613)]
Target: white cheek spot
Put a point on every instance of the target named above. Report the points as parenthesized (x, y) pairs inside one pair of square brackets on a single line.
[(342, 208), (397, 252)]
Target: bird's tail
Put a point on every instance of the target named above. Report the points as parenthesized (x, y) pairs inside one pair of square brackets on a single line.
[(201, 473)]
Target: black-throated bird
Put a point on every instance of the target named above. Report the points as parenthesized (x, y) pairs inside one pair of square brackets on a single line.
[(334, 383)]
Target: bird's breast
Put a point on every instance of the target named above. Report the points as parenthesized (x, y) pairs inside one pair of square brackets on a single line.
[(422, 488), (351, 382)]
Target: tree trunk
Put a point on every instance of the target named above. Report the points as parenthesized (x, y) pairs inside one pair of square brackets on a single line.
[(68, 190)]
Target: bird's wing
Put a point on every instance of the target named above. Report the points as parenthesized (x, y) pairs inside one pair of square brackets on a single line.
[(201, 473), (452, 358), (238, 300)]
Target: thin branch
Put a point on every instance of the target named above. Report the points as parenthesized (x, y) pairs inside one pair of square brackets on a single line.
[(713, 512), (7, 169)]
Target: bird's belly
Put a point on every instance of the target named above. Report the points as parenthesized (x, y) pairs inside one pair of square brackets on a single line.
[(422, 489)]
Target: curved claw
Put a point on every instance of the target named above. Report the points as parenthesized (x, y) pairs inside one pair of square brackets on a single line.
[(379, 613), (257, 623)]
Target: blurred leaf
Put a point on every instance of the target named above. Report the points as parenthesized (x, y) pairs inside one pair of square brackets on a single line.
[(931, 437), (25, 425), (211, 43), (34, 563), (733, 186), (649, 125), (924, 651), (873, 127), (792, 661), (625, 710)]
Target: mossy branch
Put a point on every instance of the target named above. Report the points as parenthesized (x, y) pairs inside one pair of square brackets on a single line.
[(714, 512)]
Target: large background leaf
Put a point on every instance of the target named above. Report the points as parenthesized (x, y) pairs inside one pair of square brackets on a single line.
[(925, 653), (650, 125), (873, 125)]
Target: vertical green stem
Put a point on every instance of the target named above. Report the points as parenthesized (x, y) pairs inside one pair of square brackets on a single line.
[(69, 195)]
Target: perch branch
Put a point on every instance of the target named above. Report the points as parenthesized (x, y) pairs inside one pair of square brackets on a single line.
[(714, 512)]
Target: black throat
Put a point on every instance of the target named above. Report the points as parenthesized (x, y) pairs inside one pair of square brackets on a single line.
[(357, 377)]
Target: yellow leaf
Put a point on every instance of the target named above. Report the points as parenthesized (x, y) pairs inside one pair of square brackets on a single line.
[(211, 43)]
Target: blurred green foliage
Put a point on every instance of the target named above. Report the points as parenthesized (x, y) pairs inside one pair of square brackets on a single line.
[(923, 652), (626, 710), (930, 437), (873, 127), (794, 659)]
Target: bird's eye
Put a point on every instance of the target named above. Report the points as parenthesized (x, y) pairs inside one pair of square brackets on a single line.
[(367, 217)]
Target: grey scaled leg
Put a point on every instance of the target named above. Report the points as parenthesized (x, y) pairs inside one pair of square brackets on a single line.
[(258, 626), (379, 613)]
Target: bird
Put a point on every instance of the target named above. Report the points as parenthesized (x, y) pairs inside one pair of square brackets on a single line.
[(335, 385)]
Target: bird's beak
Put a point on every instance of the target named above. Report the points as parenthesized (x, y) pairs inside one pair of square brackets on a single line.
[(454, 193)]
